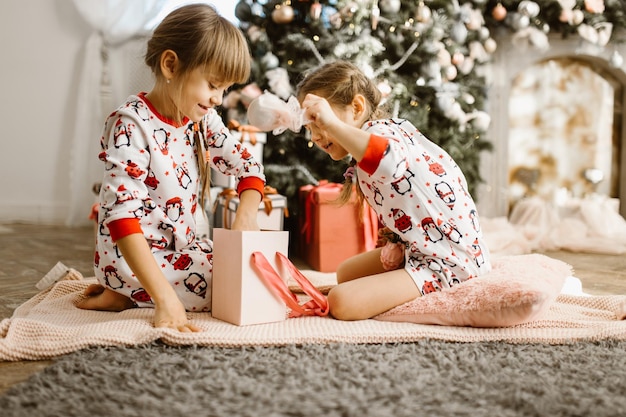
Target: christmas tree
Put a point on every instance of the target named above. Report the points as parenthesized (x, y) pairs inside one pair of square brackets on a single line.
[(429, 59)]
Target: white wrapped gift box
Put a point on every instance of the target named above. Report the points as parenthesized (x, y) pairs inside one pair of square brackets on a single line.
[(272, 211)]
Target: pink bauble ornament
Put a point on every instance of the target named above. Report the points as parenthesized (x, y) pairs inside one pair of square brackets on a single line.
[(458, 58), (499, 12), (283, 14), (316, 10)]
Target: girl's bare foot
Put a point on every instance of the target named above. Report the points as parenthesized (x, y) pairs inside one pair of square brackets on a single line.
[(104, 299)]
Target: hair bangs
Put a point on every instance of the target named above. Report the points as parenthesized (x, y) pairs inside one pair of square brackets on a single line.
[(227, 56)]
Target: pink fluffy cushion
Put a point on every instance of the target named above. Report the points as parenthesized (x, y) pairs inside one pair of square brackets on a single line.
[(519, 289)]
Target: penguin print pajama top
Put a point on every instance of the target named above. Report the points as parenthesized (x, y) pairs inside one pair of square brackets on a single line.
[(151, 185), (420, 193)]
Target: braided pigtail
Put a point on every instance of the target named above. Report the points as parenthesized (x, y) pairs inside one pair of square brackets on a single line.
[(202, 150)]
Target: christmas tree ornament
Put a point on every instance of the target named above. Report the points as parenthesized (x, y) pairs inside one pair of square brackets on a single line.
[(243, 11), (384, 88), (467, 65), (528, 8), (594, 6), (450, 72), (256, 34), (278, 81), (468, 98), (283, 14), (390, 7), (616, 60), (483, 33), (423, 13), (269, 61), (518, 21), (316, 10), (458, 58), (499, 12), (375, 15), (490, 45), (459, 32), (479, 119), (257, 9), (443, 57), (348, 11)]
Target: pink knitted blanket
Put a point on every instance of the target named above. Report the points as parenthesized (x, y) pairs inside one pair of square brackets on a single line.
[(49, 325)]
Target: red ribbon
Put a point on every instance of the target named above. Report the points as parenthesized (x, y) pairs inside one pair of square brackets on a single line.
[(317, 306)]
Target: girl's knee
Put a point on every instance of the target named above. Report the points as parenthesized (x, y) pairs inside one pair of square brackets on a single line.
[(339, 304)]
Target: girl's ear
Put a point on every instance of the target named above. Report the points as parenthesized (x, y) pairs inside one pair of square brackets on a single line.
[(169, 64), (359, 106)]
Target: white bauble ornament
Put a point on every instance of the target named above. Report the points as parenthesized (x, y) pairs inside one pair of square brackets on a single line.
[(577, 17), (385, 88), (490, 46), (483, 33), (423, 13), (518, 21), (528, 8), (270, 61), (390, 6), (443, 57), (450, 72), (459, 32), (468, 98), (616, 60), (480, 120)]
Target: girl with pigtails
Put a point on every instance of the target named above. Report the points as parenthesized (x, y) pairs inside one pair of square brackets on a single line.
[(157, 149), (431, 238)]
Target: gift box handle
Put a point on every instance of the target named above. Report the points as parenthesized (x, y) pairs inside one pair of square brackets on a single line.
[(318, 306)]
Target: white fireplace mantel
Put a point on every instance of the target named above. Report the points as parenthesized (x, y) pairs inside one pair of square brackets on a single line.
[(507, 62)]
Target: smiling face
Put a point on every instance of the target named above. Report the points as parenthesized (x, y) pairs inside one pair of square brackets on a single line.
[(200, 92)]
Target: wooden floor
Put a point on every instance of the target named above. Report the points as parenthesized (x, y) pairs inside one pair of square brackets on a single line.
[(27, 252)]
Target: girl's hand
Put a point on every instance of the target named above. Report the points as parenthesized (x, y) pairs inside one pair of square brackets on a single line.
[(247, 212), (319, 111), (171, 314)]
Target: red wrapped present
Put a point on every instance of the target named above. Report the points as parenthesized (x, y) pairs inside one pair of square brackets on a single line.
[(331, 233)]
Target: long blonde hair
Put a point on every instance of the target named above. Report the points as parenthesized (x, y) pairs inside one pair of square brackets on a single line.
[(339, 82), (200, 37)]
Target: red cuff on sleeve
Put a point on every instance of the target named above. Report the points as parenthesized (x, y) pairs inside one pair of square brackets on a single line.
[(123, 227), (373, 154), (251, 183)]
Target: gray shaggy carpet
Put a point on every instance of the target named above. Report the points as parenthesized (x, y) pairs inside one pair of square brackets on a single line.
[(426, 378)]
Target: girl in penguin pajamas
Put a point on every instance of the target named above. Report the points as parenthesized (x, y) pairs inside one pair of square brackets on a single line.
[(147, 251), (401, 175)]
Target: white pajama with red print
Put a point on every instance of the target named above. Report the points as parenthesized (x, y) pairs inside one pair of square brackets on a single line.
[(151, 174), (419, 192)]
